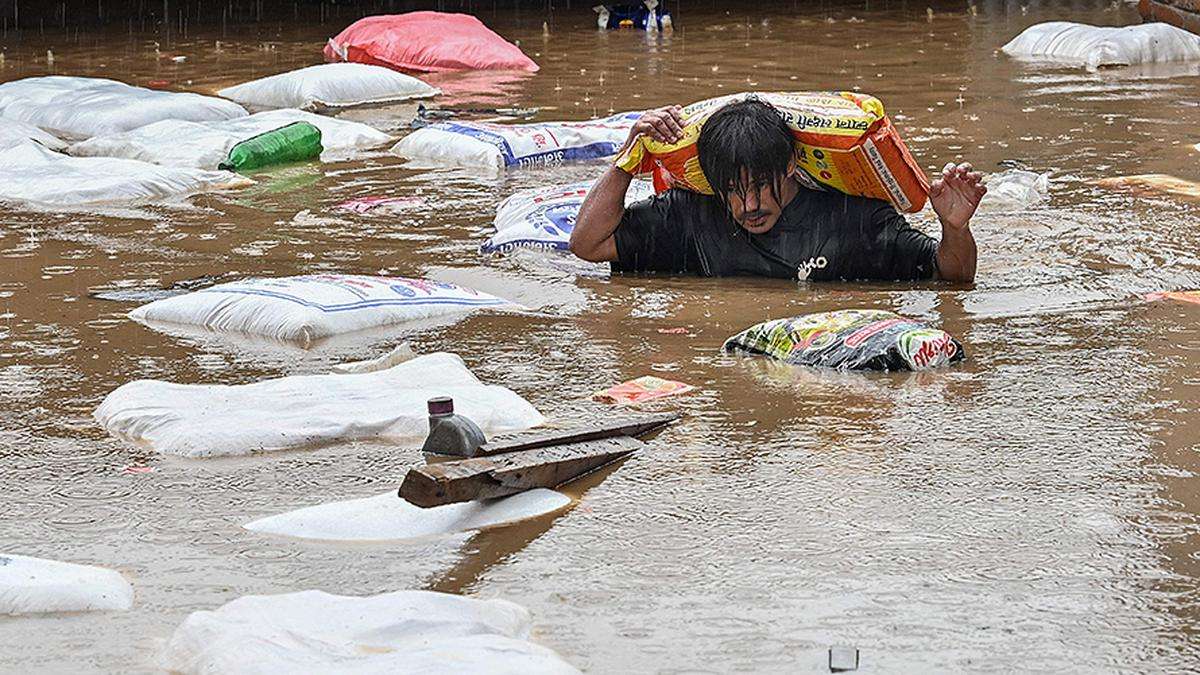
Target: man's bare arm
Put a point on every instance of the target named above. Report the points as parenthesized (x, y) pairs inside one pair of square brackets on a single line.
[(594, 235), (955, 196)]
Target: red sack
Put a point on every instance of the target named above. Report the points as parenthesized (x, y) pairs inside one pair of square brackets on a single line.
[(426, 42)]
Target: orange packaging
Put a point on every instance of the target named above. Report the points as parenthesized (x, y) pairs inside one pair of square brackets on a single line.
[(844, 142)]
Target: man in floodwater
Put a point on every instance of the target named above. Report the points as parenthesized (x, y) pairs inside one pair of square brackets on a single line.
[(763, 222)]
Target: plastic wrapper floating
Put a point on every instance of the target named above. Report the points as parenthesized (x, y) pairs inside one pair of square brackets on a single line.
[(850, 339)]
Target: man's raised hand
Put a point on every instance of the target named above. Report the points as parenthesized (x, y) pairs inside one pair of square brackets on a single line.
[(664, 125), (956, 194)]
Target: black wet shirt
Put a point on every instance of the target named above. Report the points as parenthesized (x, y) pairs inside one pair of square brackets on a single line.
[(821, 236)]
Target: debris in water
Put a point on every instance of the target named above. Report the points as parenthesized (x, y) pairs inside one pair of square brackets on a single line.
[(641, 389), (1183, 296), (673, 331), (843, 659), (1153, 183)]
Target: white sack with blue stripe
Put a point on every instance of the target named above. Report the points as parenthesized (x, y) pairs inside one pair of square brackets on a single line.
[(544, 218), (305, 309), (304, 411), (487, 145)]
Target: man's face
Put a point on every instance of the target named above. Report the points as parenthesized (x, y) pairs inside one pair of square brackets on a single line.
[(756, 209)]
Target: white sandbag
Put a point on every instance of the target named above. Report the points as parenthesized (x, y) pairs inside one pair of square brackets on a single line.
[(401, 632), (1078, 44), (15, 132), (31, 173), (1015, 190), (544, 217), (330, 86), (34, 586), (208, 420), (499, 146), (304, 309), (76, 108), (388, 517), (204, 145)]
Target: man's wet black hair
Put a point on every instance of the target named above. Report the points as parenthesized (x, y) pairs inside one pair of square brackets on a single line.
[(748, 136)]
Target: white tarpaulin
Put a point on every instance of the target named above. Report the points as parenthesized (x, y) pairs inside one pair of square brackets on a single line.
[(76, 108), (411, 632), (331, 85), (14, 133), (204, 145), (388, 517), (31, 173), (34, 586), (544, 217), (307, 308), (1077, 44), (499, 146), (207, 420)]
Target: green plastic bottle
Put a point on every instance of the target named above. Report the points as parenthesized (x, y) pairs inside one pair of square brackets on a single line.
[(296, 142)]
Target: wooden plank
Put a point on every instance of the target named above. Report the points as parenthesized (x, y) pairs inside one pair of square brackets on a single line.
[(509, 473), (1180, 16), (621, 426)]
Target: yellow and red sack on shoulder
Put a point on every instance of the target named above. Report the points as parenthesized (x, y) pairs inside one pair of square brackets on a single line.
[(844, 142)]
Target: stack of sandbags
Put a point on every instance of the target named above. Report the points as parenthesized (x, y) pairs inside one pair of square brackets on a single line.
[(76, 108), (329, 86)]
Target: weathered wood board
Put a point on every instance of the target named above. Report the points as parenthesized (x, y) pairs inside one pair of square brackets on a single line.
[(620, 426), (511, 472)]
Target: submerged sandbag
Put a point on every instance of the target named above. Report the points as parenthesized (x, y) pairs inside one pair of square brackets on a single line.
[(76, 108), (35, 586), (398, 632), (387, 517), (850, 339), (304, 309), (205, 145), (544, 217), (329, 86), (300, 411), (31, 173), (1077, 44), (844, 142), (426, 42), (15, 132), (501, 146)]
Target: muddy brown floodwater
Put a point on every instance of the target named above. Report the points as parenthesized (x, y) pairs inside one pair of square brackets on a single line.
[(1035, 509)]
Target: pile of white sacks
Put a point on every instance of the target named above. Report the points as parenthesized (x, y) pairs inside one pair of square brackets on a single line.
[(81, 141)]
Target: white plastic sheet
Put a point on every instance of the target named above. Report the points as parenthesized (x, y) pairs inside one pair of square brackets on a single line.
[(329, 86), (31, 173), (35, 585), (304, 309), (75, 108), (14, 133), (401, 632), (387, 517), (204, 145), (1015, 190), (1077, 44), (544, 217), (208, 420), (500, 146)]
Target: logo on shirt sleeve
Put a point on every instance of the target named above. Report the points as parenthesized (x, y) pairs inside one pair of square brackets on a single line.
[(818, 263)]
